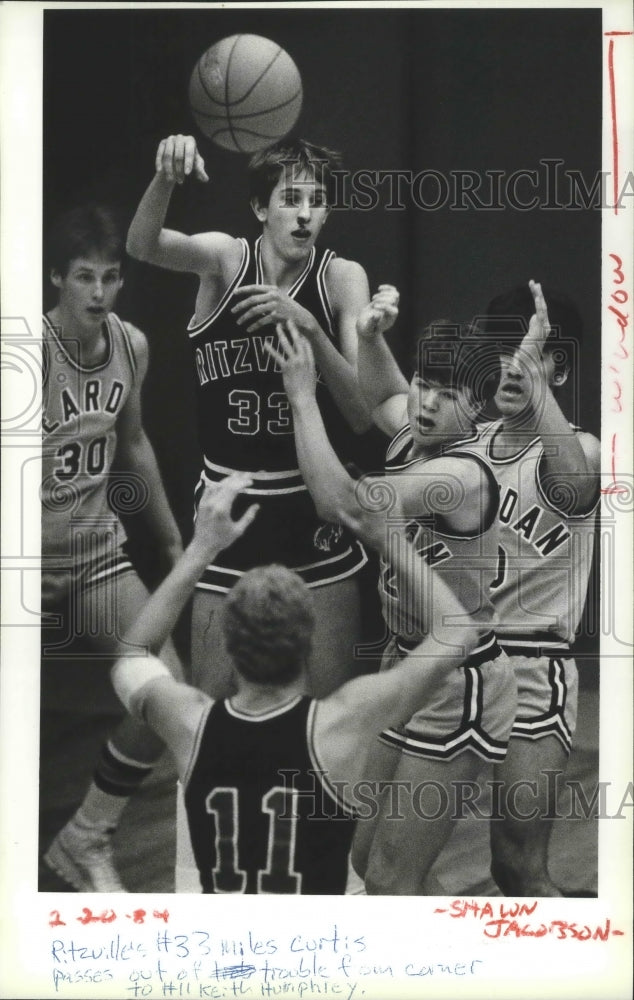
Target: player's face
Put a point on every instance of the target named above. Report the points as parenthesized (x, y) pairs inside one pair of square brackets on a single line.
[(295, 214), (438, 414), (88, 290), (513, 392)]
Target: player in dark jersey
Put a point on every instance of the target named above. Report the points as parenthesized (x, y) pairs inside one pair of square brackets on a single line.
[(548, 472), (93, 369), (244, 420), (449, 499), (273, 778)]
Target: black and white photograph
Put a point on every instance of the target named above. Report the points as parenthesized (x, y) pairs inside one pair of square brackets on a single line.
[(317, 496)]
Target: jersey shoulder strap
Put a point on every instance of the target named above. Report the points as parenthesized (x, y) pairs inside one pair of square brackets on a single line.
[(120, 335)]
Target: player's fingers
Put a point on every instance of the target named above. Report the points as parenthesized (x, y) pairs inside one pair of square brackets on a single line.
[(540, 302), (158, 161), (247, 312), (231, 485), (236, 481), (285, 342), (539, 325), (253, 289), (247, 303), (248, 517), (199, 168), (293, 331), (168, 158), (189, 155), (209, 491), (386, 309), (230, 488), (275, 354), (258, 324), (179, 157), (389, 290)]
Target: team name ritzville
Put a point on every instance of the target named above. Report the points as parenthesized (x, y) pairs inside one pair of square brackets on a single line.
[(225, 358)]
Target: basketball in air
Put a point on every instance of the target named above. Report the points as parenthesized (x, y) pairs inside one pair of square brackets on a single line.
[(245, 93)]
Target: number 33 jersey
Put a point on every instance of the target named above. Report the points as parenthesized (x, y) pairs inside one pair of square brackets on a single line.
[(81, 406), (262, 816), (244, 417)]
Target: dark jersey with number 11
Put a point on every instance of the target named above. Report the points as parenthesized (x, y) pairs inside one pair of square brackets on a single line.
[(262, 816)]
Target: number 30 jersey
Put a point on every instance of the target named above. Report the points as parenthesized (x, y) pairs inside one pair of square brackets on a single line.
[(244, 418), (262, 816), (80, 408)]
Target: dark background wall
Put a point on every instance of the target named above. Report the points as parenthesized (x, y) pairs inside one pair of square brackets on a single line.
[(407, 89)]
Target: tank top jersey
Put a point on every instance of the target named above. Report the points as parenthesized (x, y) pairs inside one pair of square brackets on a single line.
[(244, 418), (80, 408), (544, 558), (262, 817), (466, 563)]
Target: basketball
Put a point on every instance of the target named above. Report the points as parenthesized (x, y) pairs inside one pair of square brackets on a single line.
[(245, 93)]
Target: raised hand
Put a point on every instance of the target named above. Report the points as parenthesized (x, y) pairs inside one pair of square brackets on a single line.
[(539, 325), (530, 355), (296, 361), (266, 304), (215, 526), (380, 313), (177, 157)]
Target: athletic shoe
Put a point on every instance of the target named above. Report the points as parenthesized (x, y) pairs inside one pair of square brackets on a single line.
[(82, 856)]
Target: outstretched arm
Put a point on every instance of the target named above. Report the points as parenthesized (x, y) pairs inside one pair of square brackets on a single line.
[(214, 531), (571, 462), (177, 158), (382, 383), (348, 720), (143, 684), (330, 486)]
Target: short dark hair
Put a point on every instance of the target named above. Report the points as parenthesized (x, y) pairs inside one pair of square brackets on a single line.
[(456, 355), (82, 231), (508, 315), (268, 622), (266, 166)]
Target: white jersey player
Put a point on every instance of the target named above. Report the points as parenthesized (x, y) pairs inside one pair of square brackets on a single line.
[(548, 473), (449, 501), (94, 365)]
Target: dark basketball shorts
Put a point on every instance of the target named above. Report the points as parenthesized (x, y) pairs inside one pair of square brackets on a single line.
[(287, 531)]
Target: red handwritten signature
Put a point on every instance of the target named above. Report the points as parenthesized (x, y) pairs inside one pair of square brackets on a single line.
[(502, 920)]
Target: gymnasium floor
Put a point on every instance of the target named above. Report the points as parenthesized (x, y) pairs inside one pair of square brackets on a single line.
[(145, 842)]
